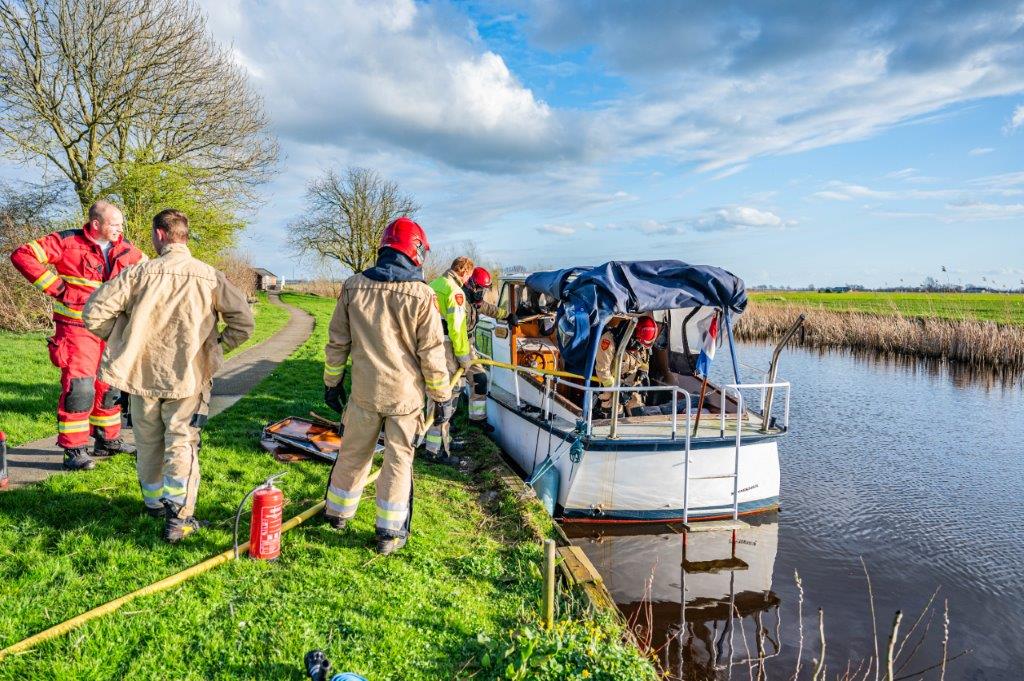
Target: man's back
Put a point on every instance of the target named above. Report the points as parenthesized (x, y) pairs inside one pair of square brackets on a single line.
[(160, 318), (392, 332)]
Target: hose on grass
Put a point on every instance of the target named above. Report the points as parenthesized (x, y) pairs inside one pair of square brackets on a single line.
[(163, 584), (173, 580)]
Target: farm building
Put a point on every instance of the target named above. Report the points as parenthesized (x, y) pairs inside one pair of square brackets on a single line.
[(266, 280)]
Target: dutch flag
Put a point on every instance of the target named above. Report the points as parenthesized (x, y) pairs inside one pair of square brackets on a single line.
[(709, 327)]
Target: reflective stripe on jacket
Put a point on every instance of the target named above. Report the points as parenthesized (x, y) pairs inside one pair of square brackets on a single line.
[(81, 268), (392, 333), (160, 323)]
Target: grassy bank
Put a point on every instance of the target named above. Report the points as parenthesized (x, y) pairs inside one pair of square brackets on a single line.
[(967, 341), (1003, 308), (459, 601), (30, 384)]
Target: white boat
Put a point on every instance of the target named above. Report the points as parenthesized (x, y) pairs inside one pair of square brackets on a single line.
[(673, 462)]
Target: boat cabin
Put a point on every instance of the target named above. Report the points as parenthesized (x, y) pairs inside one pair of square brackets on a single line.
[(532, 343)]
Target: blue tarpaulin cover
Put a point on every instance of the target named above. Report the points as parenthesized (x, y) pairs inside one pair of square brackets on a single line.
[(589, 297)]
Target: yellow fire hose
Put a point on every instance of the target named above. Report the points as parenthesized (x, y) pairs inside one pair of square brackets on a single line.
[(175, 579), (163, 584)]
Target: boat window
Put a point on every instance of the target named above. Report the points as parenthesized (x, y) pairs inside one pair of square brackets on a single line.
[(532, 302), (504, 296)]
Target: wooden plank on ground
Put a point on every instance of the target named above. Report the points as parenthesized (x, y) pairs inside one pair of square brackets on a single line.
[(578, 565)]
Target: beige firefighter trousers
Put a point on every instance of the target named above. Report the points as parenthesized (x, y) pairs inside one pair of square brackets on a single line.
[(394, 486), (437, 437), (167, 440)]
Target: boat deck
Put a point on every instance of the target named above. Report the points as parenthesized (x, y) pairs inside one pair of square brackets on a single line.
[(657, 427), (651, 427)]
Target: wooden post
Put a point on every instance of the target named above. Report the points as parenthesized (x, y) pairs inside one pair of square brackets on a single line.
[(549, 583), (700, 404)]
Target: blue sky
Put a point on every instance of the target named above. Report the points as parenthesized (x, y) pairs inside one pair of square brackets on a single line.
[(792, 143)]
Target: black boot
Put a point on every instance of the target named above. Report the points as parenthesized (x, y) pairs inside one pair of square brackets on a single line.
[(105, 448), (337, 523), (175, 528), (78, 459), (318, 667), (387, 544)]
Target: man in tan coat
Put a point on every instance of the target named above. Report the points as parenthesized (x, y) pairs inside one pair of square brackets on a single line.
[(387, 323), (159, 320)]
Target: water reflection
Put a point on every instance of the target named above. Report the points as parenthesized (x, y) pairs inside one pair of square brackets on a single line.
[(703, 601)]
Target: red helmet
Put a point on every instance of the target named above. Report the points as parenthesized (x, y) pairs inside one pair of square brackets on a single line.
[(405, 236), (480, 278), (646, 331)]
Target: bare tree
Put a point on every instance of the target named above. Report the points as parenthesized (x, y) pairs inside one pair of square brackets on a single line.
[(26, 213), (346, 216), (95, 86)]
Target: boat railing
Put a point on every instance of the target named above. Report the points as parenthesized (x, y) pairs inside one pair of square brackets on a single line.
[(552, 379)]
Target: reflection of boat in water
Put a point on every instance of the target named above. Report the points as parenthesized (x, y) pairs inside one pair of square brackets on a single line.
[(696, 594), (694, 451)]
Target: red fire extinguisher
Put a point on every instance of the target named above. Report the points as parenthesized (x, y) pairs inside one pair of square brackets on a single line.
[(265, 525)]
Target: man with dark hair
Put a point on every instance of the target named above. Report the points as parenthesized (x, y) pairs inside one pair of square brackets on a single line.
[(160, 323), (83, 259)]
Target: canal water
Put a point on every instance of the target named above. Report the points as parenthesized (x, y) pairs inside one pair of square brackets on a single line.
[(912, 467)]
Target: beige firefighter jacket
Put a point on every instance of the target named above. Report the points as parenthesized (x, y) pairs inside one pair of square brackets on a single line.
[(392, 332), (159, 319), (633, 362)]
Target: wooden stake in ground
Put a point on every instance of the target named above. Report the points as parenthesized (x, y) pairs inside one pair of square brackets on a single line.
[(549, 583)]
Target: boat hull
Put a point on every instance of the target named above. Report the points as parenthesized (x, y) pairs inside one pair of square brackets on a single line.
[(638, 480)]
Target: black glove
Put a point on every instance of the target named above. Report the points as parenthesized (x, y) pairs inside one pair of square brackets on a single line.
[(512, 319), (334, 397), (443, 411)]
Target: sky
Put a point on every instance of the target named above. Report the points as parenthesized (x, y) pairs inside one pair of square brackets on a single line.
[(794, 144)]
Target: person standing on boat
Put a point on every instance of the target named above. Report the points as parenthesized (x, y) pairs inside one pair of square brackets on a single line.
[(454, 307), (476, 288), (386, 321), (84, 259), (635, 365)]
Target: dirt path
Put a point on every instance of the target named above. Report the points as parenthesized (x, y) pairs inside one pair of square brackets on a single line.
[(37, 460)]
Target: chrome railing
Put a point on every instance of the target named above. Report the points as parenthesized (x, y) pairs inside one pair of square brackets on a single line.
[(550, 383)]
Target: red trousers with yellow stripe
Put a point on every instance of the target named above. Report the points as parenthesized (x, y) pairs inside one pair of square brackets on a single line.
[(86, 406)]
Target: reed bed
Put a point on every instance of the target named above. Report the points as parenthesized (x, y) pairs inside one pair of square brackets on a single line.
[(968, 341), (324, 288)]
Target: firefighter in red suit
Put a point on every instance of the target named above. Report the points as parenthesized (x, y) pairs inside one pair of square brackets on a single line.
[(84, 259)]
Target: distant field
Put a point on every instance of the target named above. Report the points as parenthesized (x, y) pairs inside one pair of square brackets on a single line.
[(1006, 308)]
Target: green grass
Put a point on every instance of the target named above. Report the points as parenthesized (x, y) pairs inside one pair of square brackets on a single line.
[(269, 320), (29, 387), (457, 601), (1005, 308), (30, 384)]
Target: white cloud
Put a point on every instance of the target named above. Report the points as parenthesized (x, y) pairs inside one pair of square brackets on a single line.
[(561, 230), (721, 88), (832, 195), (1017, 119), (904, 174), (980, 151), (728, 172), (739, 217), (970, 211), (408, 75)]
